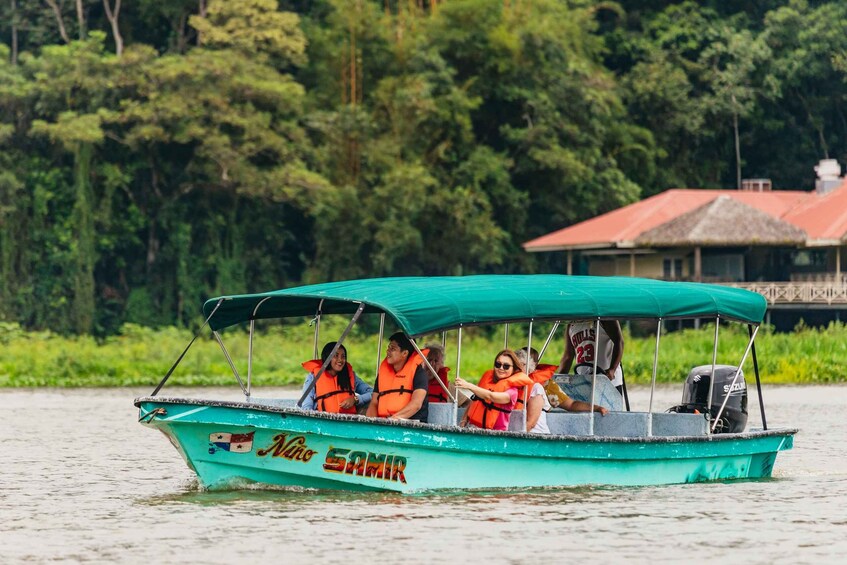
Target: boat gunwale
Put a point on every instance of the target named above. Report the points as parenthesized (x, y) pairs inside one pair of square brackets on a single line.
[(421, 426)]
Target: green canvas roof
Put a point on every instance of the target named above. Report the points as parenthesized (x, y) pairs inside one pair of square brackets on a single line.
[(422, 305)]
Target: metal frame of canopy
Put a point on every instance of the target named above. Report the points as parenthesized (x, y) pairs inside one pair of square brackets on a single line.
[(422, 305), (382, 310)]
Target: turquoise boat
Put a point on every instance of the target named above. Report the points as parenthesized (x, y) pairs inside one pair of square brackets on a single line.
[(274, 442)]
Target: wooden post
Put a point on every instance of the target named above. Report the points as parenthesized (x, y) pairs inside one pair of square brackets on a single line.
[(632, 263), (698, 265), (570, 262), (838, 264)]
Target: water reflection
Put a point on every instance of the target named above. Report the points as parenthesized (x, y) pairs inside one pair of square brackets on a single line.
[(192, 493)]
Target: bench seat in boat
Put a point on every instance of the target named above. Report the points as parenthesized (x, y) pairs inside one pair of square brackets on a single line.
[(613, 424)]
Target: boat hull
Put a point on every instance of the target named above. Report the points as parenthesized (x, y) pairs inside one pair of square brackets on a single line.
[(228, 443)]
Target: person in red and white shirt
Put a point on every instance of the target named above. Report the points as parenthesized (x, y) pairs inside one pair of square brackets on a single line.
[(579, 347)]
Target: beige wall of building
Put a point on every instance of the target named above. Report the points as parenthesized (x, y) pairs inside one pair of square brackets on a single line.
[(649, 266)]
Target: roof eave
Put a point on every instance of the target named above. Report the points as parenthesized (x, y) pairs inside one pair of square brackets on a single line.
[(579, 247), (824, 242)]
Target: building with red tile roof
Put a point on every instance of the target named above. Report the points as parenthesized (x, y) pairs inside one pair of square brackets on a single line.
[(761, 236)]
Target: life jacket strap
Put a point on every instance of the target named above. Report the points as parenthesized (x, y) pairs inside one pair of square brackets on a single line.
[(333, 393), (400, 390)]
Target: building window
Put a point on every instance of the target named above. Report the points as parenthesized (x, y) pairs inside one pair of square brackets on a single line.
[(725, 267), (672, 269)]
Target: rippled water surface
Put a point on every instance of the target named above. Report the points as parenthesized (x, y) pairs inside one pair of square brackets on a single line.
[(83, 481)]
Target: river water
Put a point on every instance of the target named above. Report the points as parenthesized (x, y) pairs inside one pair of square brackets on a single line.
[(82, 481)]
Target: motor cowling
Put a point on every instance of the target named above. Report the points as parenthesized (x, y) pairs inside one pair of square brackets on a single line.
[(695, 397)]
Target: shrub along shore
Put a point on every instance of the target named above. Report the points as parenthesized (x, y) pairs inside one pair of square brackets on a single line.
[(140, 356)]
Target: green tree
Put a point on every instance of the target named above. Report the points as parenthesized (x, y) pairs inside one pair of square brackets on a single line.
[(548, 105), (808, 91), (731, 62), (252, 27)]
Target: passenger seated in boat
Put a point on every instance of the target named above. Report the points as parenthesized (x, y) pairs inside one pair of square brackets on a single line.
[(540, 374), (495, 396), (579, 347), (400, 391), (435, 356), (537, 404), (339, 390), (545, 394)]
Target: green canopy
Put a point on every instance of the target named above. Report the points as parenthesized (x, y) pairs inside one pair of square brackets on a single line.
[(421, 305)]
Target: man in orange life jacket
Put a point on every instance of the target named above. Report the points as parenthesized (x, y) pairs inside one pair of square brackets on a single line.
[(401, 385)]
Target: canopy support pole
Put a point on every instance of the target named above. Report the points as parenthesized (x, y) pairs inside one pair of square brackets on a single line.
[(250, 345), (594, 376), (250, 358), (506, 337), (444, 339), (758, 381), (317, 321), (184, 351), (549, 338), (735, 378), (432, 370), (527, 389), (229, 360), (458, 374), (712, 375), (332, 353), (379, 344), (653, 379)]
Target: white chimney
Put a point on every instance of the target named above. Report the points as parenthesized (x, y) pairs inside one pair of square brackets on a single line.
[(829, 176)]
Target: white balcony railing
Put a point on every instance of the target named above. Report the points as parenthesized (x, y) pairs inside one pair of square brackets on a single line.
[(830, 293)]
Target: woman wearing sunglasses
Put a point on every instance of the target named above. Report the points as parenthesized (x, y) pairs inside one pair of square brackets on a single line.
[(497, 392)]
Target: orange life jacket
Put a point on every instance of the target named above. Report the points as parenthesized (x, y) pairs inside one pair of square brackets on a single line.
[(436, 393), (484, 414), (328, 395), (396, 388), (540, 375)]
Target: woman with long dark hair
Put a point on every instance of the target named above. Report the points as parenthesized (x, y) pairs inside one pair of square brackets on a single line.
[(339, 390), (495, 396)]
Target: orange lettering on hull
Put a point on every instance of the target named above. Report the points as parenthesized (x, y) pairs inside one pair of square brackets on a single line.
[(365, 464)]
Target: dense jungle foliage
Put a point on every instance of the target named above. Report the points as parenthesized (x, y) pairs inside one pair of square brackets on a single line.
[(141, 356), (154, 153)]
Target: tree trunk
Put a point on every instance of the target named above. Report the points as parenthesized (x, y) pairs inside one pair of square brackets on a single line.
[(181, 38), (818, 129), (58, 13), (202, 15), (80, 18), (737, 151), (14, 58), (737, 144), (113, 20), (83, 300)]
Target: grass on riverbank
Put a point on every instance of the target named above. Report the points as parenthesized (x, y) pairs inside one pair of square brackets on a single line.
[(141, 356)]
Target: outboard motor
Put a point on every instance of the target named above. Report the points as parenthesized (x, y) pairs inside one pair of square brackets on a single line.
[(695, 397)]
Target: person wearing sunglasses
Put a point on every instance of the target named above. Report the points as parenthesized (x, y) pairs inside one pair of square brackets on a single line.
[(495, 397)]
